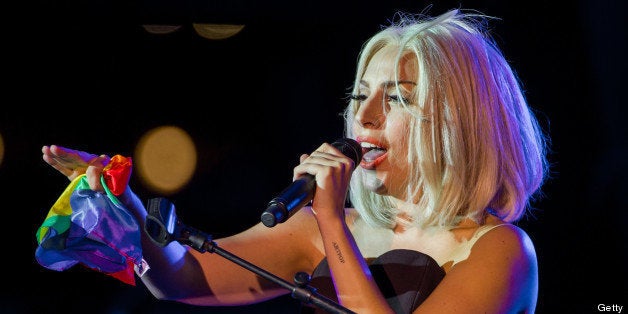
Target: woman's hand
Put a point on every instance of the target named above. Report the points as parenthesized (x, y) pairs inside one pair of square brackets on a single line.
[(332, 171), (72, 163)]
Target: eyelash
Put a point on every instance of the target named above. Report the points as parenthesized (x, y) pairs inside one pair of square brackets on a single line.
[(358, 97), (398, 99), (391, 98)]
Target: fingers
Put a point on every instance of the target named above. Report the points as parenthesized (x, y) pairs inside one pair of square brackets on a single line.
[(328, 155), (93, 178), (72, 156), (51, 158), (72, 163), (94, 171), (332, 171), (98, 161), (303, 157), (325, 159)]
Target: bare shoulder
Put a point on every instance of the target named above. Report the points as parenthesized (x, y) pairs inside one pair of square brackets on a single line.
[(509, 251), (506, 243), (500, 275), (508, 236)]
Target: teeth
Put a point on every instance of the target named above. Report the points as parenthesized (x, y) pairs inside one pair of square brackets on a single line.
[(368, 145)]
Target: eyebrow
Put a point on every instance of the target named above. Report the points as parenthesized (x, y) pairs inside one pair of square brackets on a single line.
[(388, 83)]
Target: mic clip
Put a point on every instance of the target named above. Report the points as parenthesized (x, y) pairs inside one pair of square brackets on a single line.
[(163, 226)]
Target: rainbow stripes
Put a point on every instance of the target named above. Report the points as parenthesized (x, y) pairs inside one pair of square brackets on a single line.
[(92, 228)]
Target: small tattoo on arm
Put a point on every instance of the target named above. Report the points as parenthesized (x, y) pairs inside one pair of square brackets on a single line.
[(337, 249)]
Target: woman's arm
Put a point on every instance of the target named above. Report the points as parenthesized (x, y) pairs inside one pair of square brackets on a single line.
[(183, 274), (354, 284)]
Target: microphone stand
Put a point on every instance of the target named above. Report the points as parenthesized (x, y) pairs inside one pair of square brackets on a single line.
[(203, 242)]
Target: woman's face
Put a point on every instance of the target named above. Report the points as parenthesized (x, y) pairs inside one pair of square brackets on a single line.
[(381, 122)]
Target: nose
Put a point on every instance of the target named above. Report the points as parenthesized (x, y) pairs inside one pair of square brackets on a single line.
[(370, 112)]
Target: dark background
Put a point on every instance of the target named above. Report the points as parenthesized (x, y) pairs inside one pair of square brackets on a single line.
[(86, 75)]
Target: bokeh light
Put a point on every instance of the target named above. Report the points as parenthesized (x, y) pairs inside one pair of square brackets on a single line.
[(217, 31), (165, 159)]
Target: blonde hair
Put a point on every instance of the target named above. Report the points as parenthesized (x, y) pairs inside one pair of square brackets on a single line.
[(475, 147)]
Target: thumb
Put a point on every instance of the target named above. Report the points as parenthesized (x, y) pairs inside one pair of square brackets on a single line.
[(94, 172)]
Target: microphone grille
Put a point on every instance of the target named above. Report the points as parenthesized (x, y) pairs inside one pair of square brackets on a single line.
[(350, 148)]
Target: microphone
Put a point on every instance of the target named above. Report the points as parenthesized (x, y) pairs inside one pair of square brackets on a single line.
[(301, 191)]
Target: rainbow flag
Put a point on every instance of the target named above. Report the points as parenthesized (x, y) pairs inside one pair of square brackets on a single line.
[(93, 228)]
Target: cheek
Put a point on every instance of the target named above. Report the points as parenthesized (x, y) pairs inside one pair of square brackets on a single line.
[(397, 133)]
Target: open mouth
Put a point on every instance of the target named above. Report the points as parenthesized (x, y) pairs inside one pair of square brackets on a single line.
[(372, 155)]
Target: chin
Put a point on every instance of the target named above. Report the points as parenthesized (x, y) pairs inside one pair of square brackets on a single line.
[(380, 189), (373, 183)]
